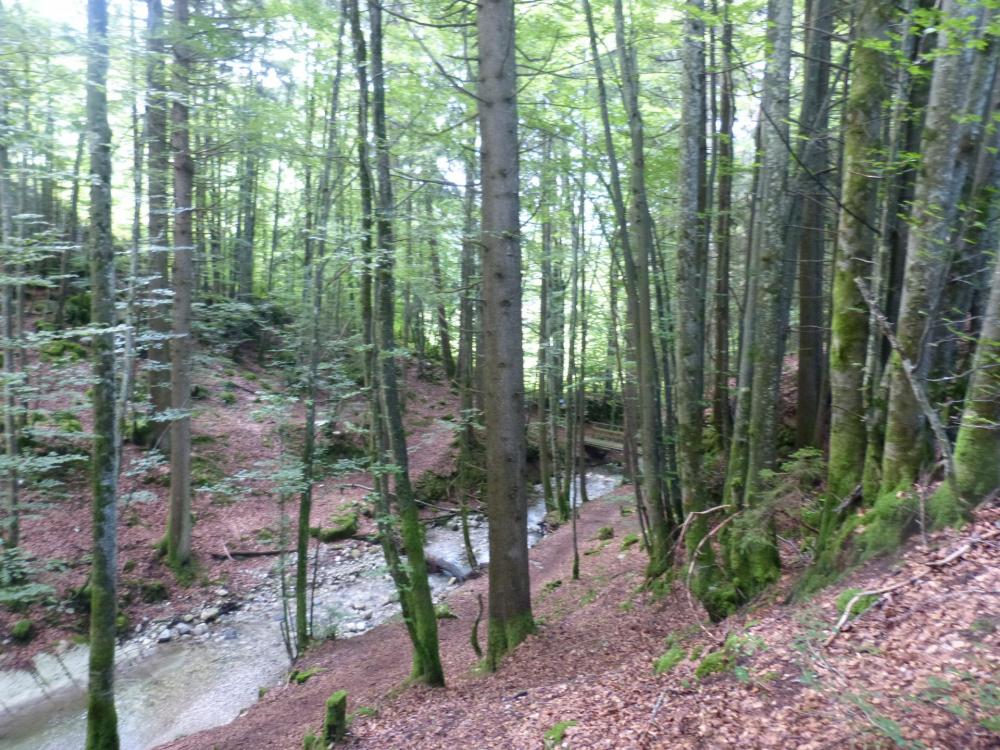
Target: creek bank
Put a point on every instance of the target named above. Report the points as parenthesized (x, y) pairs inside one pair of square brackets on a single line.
[(229, 648)]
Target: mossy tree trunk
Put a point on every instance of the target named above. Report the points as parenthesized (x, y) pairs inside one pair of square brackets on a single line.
[(933, 214), (510, 618), (752, 553), (977, 469), (102, 719), (690, 306), (849, 341), (426, 656)]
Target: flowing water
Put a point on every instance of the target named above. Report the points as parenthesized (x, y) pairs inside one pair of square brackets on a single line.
[(167, 690)]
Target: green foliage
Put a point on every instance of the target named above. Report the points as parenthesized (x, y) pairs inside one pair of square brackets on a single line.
[(60, 348), (553, 585), (859, 606), (727, 658), (669, 659), (17, 590), (228, 398), (432, 487), (605, 532), (555, 734), (23, 631), (77, 309)]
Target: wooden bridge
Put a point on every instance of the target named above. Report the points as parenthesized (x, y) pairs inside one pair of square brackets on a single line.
[(597, 435)]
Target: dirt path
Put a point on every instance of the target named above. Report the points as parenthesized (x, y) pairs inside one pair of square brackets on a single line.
[(371, 666)]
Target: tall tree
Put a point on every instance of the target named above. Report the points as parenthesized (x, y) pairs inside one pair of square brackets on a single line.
[(102, 719), (752, 551), (510, 618), (426, 657), (856, 241), (158, 203), (179, 522)]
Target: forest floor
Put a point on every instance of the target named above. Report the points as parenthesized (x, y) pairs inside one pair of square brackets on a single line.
[(918, 669), (240, 433)]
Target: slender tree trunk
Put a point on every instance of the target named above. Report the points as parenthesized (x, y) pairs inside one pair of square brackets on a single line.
[(158, 202), (641, 249), (179, 521), (721, 414), (690, 317), (426, 657), (11, 531), (510, 618), (444, 337), (102, 720)]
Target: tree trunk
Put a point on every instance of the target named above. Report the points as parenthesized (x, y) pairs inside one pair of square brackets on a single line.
[(179, 521), (510, 618), (158, 157), (722, 417), (977, 470), (447, 359), (933, 210), (102, 720), (690, 313), (813, 125), (426, 657), (752, 552)]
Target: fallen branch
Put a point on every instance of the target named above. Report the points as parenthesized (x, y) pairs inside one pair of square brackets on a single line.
[(249, 553)]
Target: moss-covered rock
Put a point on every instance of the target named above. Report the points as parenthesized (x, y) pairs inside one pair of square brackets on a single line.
[(23, 631), (629, 540), (62, 348), (343, 526)]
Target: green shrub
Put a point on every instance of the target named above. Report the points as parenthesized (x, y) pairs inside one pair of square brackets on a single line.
[(228, 398), (670, 659), (605, 532), (629, 540)]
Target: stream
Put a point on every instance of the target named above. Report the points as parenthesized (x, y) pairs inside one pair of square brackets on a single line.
[(195, 672)]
